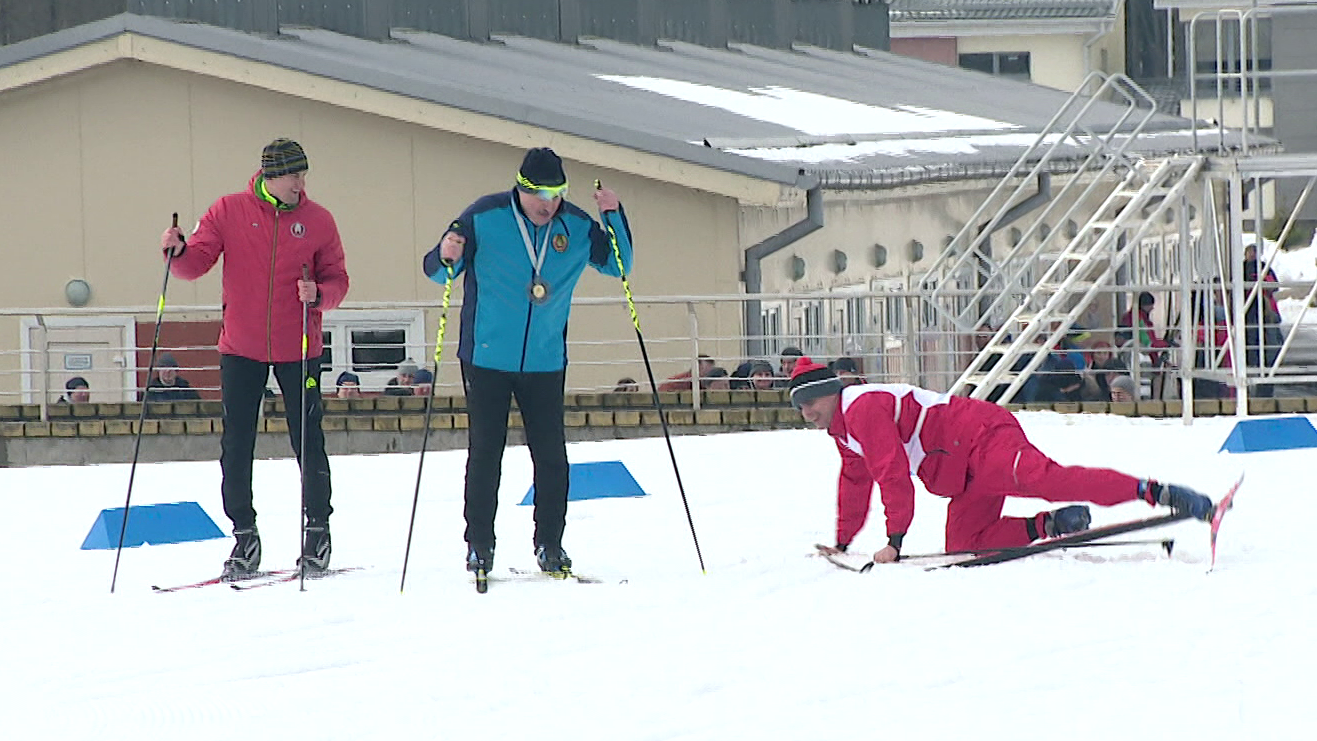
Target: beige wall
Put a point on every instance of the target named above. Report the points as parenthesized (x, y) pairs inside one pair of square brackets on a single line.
[(95, 162), (1056, 60)]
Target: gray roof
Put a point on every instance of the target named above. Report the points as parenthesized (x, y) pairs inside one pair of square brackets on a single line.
[(749, 110), (914, 11)]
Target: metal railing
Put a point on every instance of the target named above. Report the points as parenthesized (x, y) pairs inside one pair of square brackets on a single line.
[(890, 335)]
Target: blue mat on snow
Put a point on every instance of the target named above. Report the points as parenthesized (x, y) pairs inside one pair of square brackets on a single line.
[(157, 524), (1285, 433), (596, 480)]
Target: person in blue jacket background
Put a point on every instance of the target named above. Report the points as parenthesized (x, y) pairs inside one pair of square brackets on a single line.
[(522, 253)]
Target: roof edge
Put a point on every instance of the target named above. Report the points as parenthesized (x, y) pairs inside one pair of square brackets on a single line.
[(246, 58)]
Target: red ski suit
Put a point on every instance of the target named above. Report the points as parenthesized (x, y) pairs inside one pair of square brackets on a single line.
[(264, 250), (972, 452)]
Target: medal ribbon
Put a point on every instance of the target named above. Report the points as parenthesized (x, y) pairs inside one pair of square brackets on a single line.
[(536, 260)]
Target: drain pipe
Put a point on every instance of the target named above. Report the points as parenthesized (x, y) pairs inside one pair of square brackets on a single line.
[(1103, 31), (753, 277), (1013, 214)]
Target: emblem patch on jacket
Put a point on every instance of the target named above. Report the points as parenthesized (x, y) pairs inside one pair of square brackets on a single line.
[(560, 243), (298, 229)]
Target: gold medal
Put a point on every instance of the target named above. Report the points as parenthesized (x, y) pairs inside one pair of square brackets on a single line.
[(538, 291)]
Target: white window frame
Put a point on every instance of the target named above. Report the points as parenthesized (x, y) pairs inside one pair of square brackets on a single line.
[(341, 322)]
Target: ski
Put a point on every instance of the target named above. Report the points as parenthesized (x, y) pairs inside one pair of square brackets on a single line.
[(482, 581), (560, 576), (220, 580), (1167, 545), (1067, 541), (290, 576), (832, 559), (1222, 507)]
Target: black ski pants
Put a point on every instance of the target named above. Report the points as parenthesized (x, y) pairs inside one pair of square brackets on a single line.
[(488, 399), (242, 388)]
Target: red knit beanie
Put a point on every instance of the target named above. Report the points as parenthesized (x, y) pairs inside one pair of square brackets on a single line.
[(810, 381)]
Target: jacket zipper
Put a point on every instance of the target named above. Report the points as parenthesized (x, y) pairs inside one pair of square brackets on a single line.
[(269, 298), (525, 335)]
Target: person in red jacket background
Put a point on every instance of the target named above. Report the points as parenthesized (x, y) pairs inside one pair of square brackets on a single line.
[(282, 255), (972, 452)]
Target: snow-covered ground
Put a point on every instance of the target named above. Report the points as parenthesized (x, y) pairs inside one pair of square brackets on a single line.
[(771, 643)]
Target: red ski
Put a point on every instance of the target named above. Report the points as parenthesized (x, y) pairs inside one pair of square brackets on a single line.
[(1222, 507)]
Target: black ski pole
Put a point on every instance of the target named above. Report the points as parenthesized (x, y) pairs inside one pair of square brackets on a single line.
[(301, 452), (425, 434), (141, 415), (649, 369)]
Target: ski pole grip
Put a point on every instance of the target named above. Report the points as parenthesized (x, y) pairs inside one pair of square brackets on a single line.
[(175, 219)]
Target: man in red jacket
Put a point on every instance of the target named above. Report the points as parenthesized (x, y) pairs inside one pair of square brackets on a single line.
[(969, 451), (282, 256)]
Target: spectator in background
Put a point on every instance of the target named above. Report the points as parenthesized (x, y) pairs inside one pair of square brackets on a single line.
[(1143, 325), (424, 382), (626, 384), (167, 385), (682, 381), (349, 385), (401, 385), (785, 363), (1263, 311), (1122, 389), (718, 380), (848, 371), (762, 377), (1103, 366), (77, 391)]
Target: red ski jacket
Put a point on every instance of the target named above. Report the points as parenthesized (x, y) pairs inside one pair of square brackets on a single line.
[(886, 434), (264, 251)]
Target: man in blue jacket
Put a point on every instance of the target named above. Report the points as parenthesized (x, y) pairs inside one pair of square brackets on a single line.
[(522, 252)]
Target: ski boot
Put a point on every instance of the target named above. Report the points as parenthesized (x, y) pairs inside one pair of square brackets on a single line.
[(1066, 520), (316, 548), (244, 561), (479, 558), (479, 561), (1178, 498), (553, 561)]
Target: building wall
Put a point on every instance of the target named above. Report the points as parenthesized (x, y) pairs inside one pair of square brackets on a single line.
[(1296, 97), (940, 50), (96, 162), (1056, 61)]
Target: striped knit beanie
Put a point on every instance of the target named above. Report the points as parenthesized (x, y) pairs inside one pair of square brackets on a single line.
[(282, 157), (810, 381)]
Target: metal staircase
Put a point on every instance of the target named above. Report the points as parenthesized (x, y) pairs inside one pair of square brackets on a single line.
[(1089, 261), (1031, 292)]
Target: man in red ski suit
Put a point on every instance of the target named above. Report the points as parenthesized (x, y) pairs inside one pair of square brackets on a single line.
[(969, 451)]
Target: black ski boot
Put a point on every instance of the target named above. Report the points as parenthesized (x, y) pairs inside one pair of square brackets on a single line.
[(245, 560), (315, 547), (553, 560), (1179, 498), (1067, 520), (479, 558)]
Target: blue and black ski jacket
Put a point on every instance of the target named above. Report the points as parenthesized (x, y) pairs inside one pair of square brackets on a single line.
[(502, 328)]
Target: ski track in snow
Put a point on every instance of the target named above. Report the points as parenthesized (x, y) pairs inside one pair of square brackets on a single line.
[(770, 643)]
